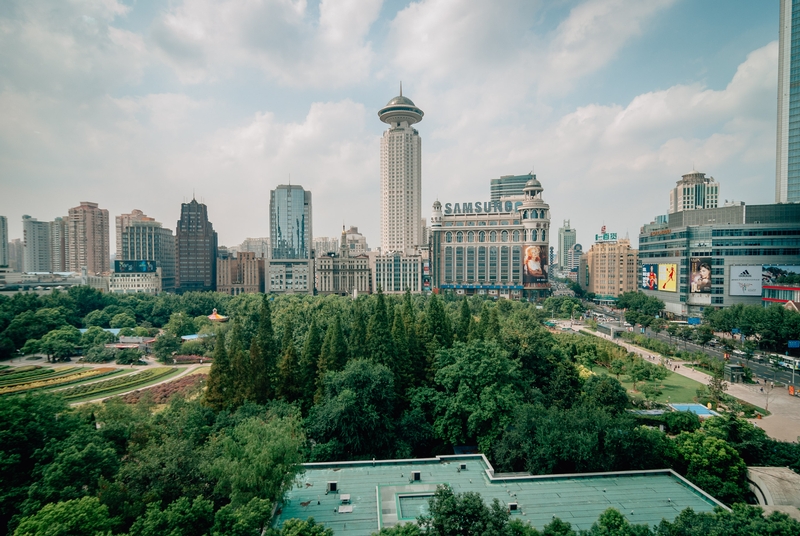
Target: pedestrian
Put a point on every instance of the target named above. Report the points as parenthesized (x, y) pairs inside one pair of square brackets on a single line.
[(762, 389)]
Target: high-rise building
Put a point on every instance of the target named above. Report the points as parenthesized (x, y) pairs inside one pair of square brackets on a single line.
[(290, 222), (787, 170), (401, 177), (240, 274), (567, 237), (291, 266), (260, 246), (87, 239), (16, 254), (609, 268), (324, 245), (123, 221), (694, 191), (3, 241), (58, 245), (144, 239), (36, 242), (195, 249), (356, 242), (509, 185)]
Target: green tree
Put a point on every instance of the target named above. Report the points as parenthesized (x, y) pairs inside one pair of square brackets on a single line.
[(438, 324), (478, 389), (379, 339), (250, 519), (241, 379), (713, 465), (257, 458), (354, 419), (289, 386), (124, 320), (60, 343), (307, 527), (219, 384), (605, 392), (165, 346), (463, 513), (465, 321), (78, 517), (99, 319), (264, 362), (95, 336), (358, 334), (309, 362), (493, 325), (180, 324), (182, 517)]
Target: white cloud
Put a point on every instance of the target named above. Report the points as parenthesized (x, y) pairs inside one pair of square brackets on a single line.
[(208, 39)]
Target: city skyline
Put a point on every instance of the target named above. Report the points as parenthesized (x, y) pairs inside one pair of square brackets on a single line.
[(602, 100)]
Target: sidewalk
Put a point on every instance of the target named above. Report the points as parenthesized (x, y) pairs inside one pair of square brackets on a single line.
[(783, 423)]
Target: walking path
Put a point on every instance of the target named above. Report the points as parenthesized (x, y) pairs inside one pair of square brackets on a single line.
[(783, 423)]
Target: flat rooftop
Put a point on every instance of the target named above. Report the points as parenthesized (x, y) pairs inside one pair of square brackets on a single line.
[(374, 494)]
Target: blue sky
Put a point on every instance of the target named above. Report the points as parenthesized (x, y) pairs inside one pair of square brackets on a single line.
[(138, 104)]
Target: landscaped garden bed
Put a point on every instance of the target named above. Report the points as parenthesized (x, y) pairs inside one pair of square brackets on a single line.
[(116, 385), (73, 375), (160, 394)]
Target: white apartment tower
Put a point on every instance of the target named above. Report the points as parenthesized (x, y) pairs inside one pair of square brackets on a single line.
[(694, 191), (401, 177)]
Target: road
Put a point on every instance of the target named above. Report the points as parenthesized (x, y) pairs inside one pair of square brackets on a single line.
[(783, 423)]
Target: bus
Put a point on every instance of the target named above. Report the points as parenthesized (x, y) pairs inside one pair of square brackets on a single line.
[(790, 362)]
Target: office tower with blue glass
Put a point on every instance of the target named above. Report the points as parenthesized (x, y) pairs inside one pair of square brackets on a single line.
[(787, 169), (291, 265)]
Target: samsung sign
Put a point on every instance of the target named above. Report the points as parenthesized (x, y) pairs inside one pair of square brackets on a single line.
[(487, 207)]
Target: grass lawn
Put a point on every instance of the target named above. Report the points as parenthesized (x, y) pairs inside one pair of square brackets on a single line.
[(201, 370), (677, 389)]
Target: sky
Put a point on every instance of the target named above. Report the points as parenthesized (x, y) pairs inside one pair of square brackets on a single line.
[(142, 105)]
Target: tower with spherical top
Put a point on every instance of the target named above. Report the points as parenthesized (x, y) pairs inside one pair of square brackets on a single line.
[(535, 216)]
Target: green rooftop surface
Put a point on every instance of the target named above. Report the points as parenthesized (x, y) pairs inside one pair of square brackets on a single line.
[(383, 494)]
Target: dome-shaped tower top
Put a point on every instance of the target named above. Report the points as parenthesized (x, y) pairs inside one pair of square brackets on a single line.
[(533, 188), (399, 110), (437, 205)]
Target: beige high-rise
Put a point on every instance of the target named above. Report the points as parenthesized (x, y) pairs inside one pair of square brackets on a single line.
[(608, 269), (87, 239), (401, 177)]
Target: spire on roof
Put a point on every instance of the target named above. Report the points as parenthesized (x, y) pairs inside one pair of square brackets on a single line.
[(401, 88)]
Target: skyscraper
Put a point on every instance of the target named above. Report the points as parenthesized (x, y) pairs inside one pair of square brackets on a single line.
[(58, 245), (787, 170), (291, 266), (145, 239), (401, 177), (122, 223), (36, 244), (87, 239), (567, 237), (3, 241), (195, 249), (509, 185), (694, 191)]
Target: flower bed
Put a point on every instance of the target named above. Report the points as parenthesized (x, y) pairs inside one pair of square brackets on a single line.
[(162, 393), (74, 375), (98, 389)]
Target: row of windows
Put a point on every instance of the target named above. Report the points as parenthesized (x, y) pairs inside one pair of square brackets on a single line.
[(504, 236), (482, 263)]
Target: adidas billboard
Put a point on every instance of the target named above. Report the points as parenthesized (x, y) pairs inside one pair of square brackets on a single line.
[(745, 280)]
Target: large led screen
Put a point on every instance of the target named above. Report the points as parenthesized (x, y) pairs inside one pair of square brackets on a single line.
[(534, 265), (668, 277), (650, 276)]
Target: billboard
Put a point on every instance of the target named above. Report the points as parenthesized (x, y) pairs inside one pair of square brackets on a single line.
[(134, 267), (534, 265), (650, 276), (668, 277), (700, 275), (745, 281), (771, 272)]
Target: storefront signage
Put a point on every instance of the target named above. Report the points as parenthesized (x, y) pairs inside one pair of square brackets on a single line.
[(486, 207)]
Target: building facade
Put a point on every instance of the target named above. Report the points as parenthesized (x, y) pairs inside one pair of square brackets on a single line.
[(719, 257), (240, 274), (3, 241), (609, 268), (87, 239), (509, 185), (145, 238), (567, 237), (694, 191), (195, 249), (36, 244), (356, 242), (16, 254), (325, 245), (135, 283), (401, 177), (343, 274), (496, 248), (787, 171), (291, 265)]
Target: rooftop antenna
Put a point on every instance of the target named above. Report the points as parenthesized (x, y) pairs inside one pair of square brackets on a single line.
[(192, 194), (290, 179), (401, 88)]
